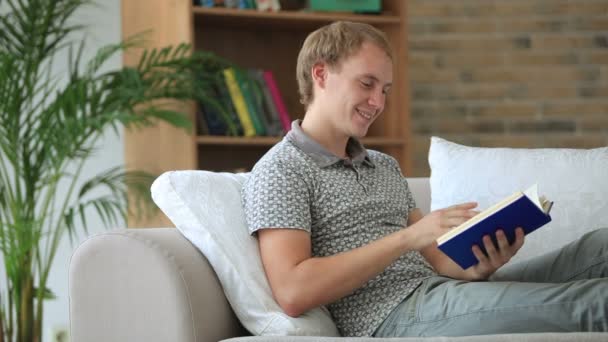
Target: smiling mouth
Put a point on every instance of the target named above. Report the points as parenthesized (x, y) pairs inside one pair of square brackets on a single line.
[(366, 115)]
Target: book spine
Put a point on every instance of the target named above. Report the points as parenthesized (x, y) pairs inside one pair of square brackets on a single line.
[(246, 89), (239, 102), (211, 117), (226, 100), (264, 102), (278, 100)]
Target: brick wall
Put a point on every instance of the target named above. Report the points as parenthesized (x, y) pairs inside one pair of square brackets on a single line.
[(515, 73)]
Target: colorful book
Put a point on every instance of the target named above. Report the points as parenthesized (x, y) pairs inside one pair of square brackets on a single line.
[(239, 102), (209, 121), (522, 209), (244, 82), (226, 100), (278, 100), (267, 109)]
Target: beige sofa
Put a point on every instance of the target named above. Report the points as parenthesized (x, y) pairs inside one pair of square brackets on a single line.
[(153, 285)]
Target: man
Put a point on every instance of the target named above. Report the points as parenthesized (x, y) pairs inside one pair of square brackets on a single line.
[(331, 221)]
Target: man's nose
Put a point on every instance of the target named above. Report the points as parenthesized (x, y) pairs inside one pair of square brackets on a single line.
[(377, 98)]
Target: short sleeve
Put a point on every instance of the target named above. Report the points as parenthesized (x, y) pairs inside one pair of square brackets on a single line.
[(276, 196)]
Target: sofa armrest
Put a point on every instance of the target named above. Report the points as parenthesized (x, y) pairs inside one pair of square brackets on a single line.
[(146, 285)]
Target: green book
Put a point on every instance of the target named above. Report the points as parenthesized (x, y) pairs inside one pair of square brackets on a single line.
[(244, 83)]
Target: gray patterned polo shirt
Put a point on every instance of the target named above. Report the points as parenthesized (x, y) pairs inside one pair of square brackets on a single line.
[(343, 204)]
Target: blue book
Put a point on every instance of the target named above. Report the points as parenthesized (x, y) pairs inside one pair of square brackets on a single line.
[(522, 209)]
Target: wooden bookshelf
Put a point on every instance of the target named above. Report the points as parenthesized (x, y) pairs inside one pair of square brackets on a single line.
[(252, 39)]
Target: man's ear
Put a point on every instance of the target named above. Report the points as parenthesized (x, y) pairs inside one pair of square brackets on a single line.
[(319, 74)]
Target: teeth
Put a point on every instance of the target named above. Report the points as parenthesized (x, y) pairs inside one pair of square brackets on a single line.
[(368, 116)]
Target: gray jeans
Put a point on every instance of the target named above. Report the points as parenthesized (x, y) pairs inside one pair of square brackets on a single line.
[(565, 290)]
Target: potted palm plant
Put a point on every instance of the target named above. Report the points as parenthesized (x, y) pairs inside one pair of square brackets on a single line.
[(48, 130)]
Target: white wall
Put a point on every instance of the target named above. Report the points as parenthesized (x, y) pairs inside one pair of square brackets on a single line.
[(103, 27)]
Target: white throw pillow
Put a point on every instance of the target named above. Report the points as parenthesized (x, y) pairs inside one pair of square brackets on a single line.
[(206, 208), (575, 179)]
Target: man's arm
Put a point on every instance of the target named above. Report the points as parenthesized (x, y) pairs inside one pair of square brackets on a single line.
[(301, 282), (487, 265)]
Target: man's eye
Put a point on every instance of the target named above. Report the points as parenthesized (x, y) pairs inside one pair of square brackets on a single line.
[(366, 84)]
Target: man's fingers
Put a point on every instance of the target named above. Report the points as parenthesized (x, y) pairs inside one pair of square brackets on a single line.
[(467, 213), (489, 246), (466, 205), (456, 217), (453, 222), (503, 244), (519, 239), (479, 254)]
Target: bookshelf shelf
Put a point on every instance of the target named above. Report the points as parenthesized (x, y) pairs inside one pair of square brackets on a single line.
[(227, 17), (269, 141), (245, 141), (260, 40)]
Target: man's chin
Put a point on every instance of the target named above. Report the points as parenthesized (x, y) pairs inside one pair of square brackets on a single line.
[(359, 134)]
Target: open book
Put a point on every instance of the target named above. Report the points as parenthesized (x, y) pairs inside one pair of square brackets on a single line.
[(522, 209)]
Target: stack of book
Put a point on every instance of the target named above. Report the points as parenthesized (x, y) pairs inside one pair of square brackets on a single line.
[(261, 5), (248, 104)]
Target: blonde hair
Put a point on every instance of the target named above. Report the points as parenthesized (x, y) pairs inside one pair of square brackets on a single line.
[(332, 44)]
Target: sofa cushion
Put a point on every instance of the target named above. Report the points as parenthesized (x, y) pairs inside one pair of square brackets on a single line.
[(575, 179), (206, 208)]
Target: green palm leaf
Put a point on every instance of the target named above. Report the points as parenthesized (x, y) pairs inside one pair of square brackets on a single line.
[(49, 129)]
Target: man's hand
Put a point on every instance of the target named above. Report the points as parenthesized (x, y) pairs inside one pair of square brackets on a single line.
[(431, 226), (439, 222), (496, 257)]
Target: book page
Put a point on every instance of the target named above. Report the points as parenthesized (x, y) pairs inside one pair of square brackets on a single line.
[(532, 194), (473, 220)]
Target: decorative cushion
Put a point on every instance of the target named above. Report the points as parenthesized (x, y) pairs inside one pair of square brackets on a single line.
[(206, 208), (575, 179)]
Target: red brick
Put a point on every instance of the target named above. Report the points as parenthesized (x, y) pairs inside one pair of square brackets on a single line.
[(514, 8), (420, 59), (576, 108), (599, 91), (586, 23), (544, 75), (436, 111), (587, 140), (462, 44), (579, 7), (433, 75), (479, 92), (488, 126), (447, 126), (563, 41), (505, 110), (530, 24), (547, 91), (593, 123), (441, 9), (463, 26), (512, 141), (540, 58), (544, 127), (596, 57), (479, 59)]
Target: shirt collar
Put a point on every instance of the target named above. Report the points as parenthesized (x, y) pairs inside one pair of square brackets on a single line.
[(321, 156)]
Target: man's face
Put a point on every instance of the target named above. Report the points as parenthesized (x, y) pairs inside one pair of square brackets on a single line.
[(356, 91)]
